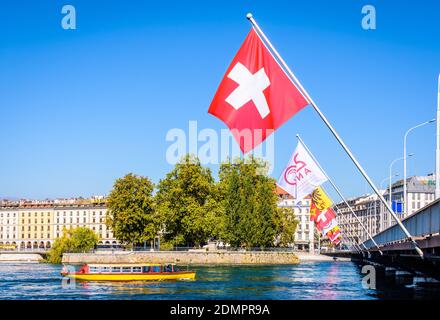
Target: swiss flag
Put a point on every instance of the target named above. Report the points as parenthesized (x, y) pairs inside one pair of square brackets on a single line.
[(255, 97)]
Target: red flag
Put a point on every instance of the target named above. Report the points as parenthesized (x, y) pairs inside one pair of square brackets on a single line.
[(324, 219), (255, 96)]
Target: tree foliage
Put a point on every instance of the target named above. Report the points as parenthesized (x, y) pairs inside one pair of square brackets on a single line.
[(286, 226), (250, 203), (187, 204), (79, 239), (190, 208), (131, 210)]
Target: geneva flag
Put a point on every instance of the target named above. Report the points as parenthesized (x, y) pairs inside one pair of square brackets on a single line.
[(255, 96), (302, 174)]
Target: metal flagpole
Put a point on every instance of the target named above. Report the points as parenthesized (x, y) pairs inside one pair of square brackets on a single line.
[(335, 134), (437, 151), (339, 193)]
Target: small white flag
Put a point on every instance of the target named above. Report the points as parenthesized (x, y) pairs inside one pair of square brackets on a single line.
[(301, 175)]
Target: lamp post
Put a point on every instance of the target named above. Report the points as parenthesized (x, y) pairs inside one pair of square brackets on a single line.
[(405, 195), (390, 195)]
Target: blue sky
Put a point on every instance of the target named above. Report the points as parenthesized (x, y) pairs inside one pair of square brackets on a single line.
[(82, 107)]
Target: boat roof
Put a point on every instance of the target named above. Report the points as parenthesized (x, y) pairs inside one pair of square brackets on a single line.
[(126, 264)]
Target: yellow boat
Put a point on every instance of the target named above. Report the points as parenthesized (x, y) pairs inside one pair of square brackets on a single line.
[(128, 272)]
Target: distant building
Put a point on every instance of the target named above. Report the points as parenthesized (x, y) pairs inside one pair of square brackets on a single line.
[(368, 209), (373, 214), (36, 224), (420, 190), (304, 235)]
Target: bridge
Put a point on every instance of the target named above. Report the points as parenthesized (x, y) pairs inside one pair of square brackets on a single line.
[(399, 257)]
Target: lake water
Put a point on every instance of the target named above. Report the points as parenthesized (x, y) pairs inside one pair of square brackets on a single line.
[(308, 280)]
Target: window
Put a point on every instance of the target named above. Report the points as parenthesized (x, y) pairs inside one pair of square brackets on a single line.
[(156, 269), (146, 269), (93, 269), (105, 269), (126, 269), (137, 269), (116, 269)]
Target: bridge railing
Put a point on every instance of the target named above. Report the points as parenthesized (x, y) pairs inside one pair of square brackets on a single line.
[(422, 223)]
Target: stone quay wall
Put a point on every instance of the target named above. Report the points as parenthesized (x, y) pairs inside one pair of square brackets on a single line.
[(185, 257)]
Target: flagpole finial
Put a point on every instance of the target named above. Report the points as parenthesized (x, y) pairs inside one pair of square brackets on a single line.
[(249, 16), (297, 135)]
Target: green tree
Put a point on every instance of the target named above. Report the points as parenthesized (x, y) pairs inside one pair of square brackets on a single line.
[(79, 239), (187, 204), (250, 203), (286, 225), (131, 210)]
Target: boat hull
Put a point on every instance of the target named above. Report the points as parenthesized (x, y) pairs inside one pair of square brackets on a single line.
[(133, 277)]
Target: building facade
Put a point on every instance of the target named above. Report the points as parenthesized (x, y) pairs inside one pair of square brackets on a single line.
[(304, 235), (36, 224), (369, 210), (373, 214), (420, 192)]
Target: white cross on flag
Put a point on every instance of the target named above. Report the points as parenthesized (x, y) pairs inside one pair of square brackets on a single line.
[(302, 174), (255, 96)]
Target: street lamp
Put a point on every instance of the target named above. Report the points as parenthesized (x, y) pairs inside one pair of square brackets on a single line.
[(405, 195), (391, 170)]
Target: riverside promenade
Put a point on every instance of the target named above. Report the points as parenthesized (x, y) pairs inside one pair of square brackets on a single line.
[(192, 257)]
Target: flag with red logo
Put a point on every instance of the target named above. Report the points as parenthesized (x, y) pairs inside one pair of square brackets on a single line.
[(255, 96), (302, 174)]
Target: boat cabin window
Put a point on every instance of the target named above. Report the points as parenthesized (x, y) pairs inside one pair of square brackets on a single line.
[(94, 269), (116, 269), (126, 269), (105, 269), (156, 269), (167, 268), (137, 269), (146, 269)]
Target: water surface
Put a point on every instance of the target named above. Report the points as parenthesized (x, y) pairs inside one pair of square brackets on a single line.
[(308, 280)]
